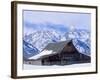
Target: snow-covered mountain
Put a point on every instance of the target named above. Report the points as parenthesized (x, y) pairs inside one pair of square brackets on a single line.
[(41, 38), (29, 50), (35, 42), (79, 34), (81, 47)]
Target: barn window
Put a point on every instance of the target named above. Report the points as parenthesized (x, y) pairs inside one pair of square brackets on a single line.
[(30, 63)]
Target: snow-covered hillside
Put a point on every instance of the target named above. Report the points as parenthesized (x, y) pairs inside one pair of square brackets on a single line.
[(29, 50), (82, 47), (82, 35), (40, 39)]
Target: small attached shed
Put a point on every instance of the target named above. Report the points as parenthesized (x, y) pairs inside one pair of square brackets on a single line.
[(33, 62)]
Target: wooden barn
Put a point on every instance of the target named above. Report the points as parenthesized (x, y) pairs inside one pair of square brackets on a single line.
[(60, 53)]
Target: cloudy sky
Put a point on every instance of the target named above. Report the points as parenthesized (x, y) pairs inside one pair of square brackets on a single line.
[(60, 21)]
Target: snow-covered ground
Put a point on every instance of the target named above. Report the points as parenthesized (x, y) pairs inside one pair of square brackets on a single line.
[(30, 67)]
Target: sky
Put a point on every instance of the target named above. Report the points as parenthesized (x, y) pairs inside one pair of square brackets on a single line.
[(59, 21)]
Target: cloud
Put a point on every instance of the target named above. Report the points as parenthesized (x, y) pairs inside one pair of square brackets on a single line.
[(62, 21)]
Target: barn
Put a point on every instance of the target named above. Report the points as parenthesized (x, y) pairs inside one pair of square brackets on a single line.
[(59, 53)]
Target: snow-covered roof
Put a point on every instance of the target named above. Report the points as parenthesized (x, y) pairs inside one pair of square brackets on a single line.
[(43, 53), (50, 49)]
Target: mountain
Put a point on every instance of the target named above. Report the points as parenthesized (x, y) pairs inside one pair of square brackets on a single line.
[(42, 37), (80, 34), (81, 47), (29, 50), (36, 41)]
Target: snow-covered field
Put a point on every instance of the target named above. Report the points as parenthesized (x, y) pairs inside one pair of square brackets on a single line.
[(30, 67)]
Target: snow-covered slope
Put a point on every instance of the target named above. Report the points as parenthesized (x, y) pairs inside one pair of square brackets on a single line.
[(81, 47), (41, 38), (78, 34), (29, 50)]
